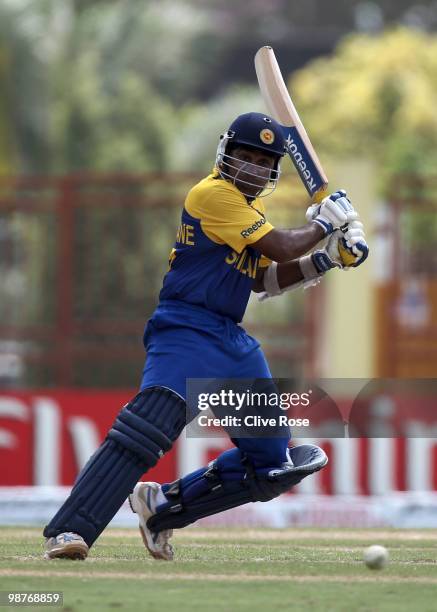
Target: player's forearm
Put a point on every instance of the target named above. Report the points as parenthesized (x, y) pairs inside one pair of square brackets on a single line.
[(289, 273), (284, 245), (294, 243)]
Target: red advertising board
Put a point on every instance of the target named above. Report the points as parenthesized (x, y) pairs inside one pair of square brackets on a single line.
[(47, 436)]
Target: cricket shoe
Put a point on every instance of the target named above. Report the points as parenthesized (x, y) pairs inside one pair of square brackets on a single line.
[(142, 502), (66, 545)]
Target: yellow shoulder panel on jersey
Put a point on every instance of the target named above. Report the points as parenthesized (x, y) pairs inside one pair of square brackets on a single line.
[(224, 213)]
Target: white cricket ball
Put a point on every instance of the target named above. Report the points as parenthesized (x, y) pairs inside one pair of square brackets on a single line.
[(376, 557)]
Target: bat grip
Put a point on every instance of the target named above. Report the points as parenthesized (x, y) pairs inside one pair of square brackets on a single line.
[(318, 196)]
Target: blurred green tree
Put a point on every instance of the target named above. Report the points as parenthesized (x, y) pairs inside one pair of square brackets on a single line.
[(24, 139), (375, 97), (110, 85)]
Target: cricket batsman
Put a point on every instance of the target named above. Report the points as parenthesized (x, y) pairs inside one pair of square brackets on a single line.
[(225, 249)]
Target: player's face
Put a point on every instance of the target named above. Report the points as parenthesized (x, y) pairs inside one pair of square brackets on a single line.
[(250, 169)]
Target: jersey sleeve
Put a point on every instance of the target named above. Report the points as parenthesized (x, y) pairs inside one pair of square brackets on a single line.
[(227, 218)]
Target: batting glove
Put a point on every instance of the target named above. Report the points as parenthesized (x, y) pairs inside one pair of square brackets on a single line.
[(354, 234), (339, 254), (334, 212)]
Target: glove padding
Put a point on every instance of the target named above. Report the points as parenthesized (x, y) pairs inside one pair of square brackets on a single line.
[(343, 250), (334, 212), (353, 234)]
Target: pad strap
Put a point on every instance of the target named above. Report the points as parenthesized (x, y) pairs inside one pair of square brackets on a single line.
[(209, 491)]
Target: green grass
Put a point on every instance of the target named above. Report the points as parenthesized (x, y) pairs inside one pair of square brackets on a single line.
[(232, 570)]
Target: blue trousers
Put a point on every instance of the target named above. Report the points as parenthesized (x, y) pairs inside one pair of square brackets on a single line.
[(185, 341)]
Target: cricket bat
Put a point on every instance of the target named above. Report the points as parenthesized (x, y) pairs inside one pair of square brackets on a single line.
[(281, 108)]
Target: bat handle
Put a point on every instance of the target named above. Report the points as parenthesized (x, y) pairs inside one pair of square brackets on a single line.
[(318, 196)]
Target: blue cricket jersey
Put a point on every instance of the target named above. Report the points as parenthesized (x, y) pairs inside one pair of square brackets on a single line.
[(213, 264)]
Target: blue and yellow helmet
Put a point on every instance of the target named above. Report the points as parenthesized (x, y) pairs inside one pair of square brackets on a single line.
[(255, 131), (258, 131)]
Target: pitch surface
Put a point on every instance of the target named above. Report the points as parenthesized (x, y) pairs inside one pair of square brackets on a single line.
[(232, 569)]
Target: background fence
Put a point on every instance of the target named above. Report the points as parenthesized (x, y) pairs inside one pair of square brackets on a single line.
[(81, 262)]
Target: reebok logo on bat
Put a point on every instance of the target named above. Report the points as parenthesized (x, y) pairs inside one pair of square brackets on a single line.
[(300, 163), (250, 230)]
